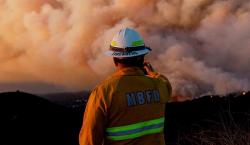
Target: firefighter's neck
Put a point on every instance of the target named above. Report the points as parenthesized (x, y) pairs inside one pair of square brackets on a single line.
[(122, 66)]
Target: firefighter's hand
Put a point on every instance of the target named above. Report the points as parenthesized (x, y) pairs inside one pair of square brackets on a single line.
[(148, 67)]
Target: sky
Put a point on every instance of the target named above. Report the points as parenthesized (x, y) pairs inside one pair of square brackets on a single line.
[(202, 46)]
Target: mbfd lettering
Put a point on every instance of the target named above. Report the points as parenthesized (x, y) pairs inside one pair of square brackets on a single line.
[(142, 97)]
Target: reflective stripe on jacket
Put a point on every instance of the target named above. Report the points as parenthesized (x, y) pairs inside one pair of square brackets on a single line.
[(136, 130), (127, 108)]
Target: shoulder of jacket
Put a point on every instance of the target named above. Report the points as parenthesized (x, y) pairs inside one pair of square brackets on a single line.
[(104, 90), (107, 83)]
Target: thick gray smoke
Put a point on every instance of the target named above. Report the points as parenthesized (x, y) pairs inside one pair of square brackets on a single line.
[(202, 46)]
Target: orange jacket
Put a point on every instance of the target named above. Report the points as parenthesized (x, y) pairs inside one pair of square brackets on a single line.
[(126, 109)]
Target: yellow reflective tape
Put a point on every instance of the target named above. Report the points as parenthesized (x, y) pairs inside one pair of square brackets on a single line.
[(139, 134), (113, 43), (136, 125), (138, 43)]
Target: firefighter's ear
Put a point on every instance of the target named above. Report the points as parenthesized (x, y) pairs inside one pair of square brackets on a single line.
[(115, 62)]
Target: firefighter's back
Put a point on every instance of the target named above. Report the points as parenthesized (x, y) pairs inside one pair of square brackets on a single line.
[(136, 111)]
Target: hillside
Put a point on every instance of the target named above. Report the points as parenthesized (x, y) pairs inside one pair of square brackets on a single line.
[(32, 120), (69, 99), (205, 119)]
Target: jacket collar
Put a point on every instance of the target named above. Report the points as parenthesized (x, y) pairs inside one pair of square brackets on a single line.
[(129, 71)]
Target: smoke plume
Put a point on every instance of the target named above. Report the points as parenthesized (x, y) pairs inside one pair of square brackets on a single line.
[(202, 46)]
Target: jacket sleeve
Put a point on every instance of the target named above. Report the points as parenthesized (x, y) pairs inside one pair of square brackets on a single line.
[(164, 79), (94, 120)]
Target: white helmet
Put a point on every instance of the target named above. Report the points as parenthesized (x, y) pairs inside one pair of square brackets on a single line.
[(127, 43)]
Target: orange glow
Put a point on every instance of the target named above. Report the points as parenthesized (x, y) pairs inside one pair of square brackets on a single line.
[(201, 46)]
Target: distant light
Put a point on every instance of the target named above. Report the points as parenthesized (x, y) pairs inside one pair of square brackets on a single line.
[(211, 96), (244, 93)]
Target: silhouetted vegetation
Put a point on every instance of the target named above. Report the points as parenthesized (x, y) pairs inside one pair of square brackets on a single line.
[(210, 120)]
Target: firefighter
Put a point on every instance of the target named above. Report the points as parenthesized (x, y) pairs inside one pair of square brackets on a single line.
[(128, 107)]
